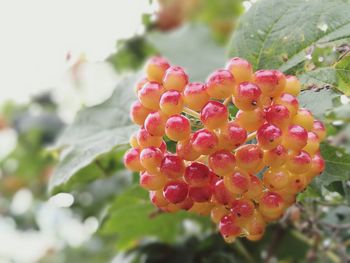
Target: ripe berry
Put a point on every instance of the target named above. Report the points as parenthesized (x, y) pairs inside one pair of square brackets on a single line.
[(313, 143), (242, 208), (187, 204), (241, 69), (255, 188), (202, 208), (276, 178), (157, 198), (175, 78), (228, 226), (237, 182), (293, 85), (288, 101), (304, 118), (171, 102), (152, 182), (155, 123), (155, 68), (250, 120), (247, 96), (231, 136), (255, 226), (214, 115), (295, 138), (217, 213), (278, 115), (200, 194), (172, 166), (195, 95), (276, 156), (222, 162), (319, 129), (132, 160), (178, 128), (175, 191), (151, 158), (138, 113), (268, 136), (185, 150), (204, 141), (221, 84), (271, 82), (145, 139), (271, 205), (140, 84), (197, 174), (249, 157), (150, 95), (298, 162), (317, 166), (221, 193)]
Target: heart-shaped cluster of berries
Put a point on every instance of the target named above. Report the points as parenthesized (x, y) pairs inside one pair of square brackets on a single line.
[(243, 170)]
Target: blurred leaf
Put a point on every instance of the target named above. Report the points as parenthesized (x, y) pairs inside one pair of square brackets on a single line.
[(191, 47), (95, 131), (279, 33)]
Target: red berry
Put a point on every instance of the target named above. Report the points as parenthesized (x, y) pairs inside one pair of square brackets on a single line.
[(185, 150), (145, 139), (295, 138), (196, 96), (175, 79), (221, 84), (214, 115), (138, 113), (150, 95), (276, 156), (197, 174), (249, 157), (150, 158), (278, 115), (222, 162), (175, 191), (172, 166), (171, 102), (242, 208), (247, 96), (204, 142), (132, 160), (200, 194), (155, 123), (237, 182), (298, 162), (271, 82), (319, 129), (288, 101), (231, 136), (221, 194), (228, 226), (178, 128), (269, 136)]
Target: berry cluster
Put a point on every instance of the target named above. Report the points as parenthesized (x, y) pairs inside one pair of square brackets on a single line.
[(218, 157)]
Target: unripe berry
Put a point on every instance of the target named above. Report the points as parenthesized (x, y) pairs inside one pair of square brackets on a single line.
[(200, 194), (172, 208), (155, 123), (304, 118), (155, 68), (228, 226), (298, 183), (271, 205), (150, 95), (221, 84), (132, 160), (145, 139), (249, 157), (140, 84), (172, 166), (278, 115), (319, 129), (175, 191), (157, 198), (288, 101), (237, 182), (175, 78), (317, 166), (276, 178), (276, 156), (269, 136), (222, 162), (151, 158), (298, 162), (295, 138), (204, 141), (138, 113), (195, 95), (214, 115), (255, 189), (152, 182), (217, 213), (255, 226), (313, 143), (133, 141), (250, 120), (221, 194), (231, 136), (185, 150), (197, 174), (178, 128), (247, 97), (202, 209), (241, 69), (271, 82), (242, 208), (293, 85), (171, 102)]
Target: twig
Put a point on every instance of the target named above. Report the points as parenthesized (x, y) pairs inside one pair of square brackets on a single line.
[(227, 101), (191, 112), (251, 136)]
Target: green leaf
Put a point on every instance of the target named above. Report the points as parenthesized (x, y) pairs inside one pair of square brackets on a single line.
[(191, 47), (95, 131), (278, 33), (337, 165)]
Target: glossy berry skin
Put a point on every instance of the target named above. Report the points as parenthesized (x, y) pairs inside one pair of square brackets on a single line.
[(313, 144), (222, 162), (297, 183), (214, 115), (275, 157), (178, 128), (151, 158), (152, 182), (293, 85), (228, 226), (155, 68), (132, 160), (185, 150), (140, 84), (175, 191), (255, 225), (298, 162), (317, 166), (175, 78), (200, 194), (171, 102), (319, 128), (144, 139), (231, 136), (217, 213), (295, 138), (221, 193), (249, 157), (276, 178), (271, 205), (195, 95), (204, 142), (247, 96), (155, 123), (221, 84), (241, 69), (255, 189), (242, 208), (304, 118), (250, 120), (150, 95), (237, 182), (269, 136), (278, 115), (271, 82), (157, 198), (172, 166), (197, 174), (289, 101), (138, 113)]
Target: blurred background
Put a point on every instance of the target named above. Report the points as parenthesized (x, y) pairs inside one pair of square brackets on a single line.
[(57, 57)]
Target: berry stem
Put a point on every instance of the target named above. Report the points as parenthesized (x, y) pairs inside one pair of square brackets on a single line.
[(227, 101), (191, 112), (251, 136)]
